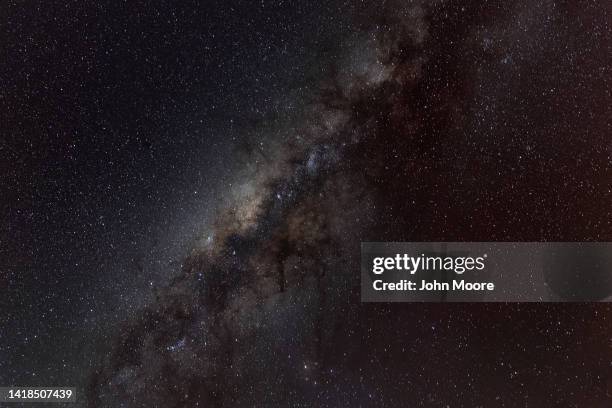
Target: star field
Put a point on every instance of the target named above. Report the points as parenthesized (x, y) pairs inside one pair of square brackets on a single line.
[(185, 188)]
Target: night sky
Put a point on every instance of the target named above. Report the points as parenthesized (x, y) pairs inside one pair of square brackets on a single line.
[(184, 188)]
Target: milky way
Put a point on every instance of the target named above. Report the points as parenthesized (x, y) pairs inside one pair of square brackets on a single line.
[(436, 122), (413, 121)]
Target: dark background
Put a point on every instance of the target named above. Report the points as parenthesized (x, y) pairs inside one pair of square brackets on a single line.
[(125, 125)]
